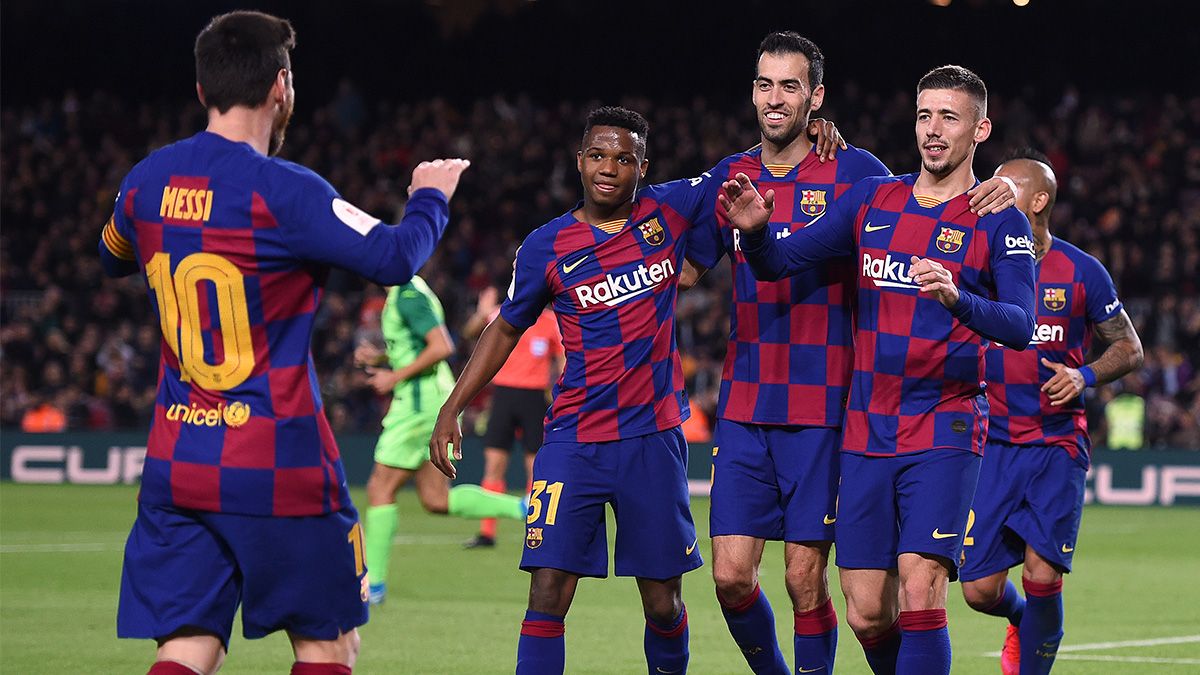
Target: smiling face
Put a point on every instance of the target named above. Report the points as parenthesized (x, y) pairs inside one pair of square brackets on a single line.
[(782, 96), (611, 163), (949, 125)]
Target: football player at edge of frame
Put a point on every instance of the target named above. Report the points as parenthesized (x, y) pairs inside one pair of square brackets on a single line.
[(612, 434), (916, 417), (242, 479), (1029, 501), (787, 369)]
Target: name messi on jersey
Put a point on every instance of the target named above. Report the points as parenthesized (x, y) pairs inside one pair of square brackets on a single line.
[(186, 204), (614, 289)]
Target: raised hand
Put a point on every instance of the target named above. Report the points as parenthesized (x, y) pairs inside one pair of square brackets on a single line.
[(748, 211), (1065, 385), (934, 279), (440, 174)]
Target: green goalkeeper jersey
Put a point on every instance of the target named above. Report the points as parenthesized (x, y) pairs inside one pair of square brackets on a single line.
[(412, 310)]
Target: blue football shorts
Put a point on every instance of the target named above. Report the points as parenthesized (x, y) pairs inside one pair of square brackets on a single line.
[(645, 481), (774, 482), (1028, 494), (912, 503), (192, 569)]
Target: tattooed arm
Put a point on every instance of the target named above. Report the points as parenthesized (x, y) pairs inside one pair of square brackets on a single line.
[(1123, 355)]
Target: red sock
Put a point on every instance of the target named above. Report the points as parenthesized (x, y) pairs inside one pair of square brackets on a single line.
[(169, 668), (302, 668), (487, 526)]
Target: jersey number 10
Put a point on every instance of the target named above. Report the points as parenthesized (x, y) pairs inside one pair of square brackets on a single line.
[(178, 297)]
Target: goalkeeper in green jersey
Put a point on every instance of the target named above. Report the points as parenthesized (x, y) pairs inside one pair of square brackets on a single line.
[(414, 369)]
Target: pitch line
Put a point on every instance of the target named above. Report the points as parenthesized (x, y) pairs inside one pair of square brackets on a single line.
[(402, 540), (1125, 659), (1153, 642)]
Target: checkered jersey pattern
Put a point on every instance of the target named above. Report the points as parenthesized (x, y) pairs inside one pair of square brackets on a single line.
[(918, 367), (1074, 293), (614, 298), (235, 249), (790, 349)]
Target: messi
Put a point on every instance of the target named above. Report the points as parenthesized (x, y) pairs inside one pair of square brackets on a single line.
[(617, 288)]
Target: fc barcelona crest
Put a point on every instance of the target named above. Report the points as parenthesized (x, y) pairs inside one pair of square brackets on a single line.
[(1055, 299), (812, 202), (652, 232), (533, 537), (950, 240)]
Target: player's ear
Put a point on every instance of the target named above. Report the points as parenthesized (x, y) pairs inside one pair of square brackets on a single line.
[(643, 166), (579, 160), (1040, 200), (200, 95), (818, 97), (983, 130)]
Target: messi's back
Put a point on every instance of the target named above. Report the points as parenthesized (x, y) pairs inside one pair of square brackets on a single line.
[(235, 247)]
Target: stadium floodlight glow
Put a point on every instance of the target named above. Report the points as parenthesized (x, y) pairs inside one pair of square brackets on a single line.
[(940, 3), (1020, 3)]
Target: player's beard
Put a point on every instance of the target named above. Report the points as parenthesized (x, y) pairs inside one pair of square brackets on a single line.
[(279, 127), (783, 137)]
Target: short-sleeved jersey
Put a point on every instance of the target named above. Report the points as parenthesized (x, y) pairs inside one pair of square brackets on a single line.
[(918, 367), (1074, 293), (235, 248), (411, 311), (790, 349), (613, 287), (528, 367)]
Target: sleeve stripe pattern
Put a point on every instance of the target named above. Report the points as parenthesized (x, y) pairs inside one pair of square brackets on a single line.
[(117, 245)]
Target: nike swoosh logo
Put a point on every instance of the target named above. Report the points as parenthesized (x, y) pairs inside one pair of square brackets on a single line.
[(567, 269), (808, 670), (939, 535), (667, 672), (828, 521), (688, 550), (868, 228), (1067, 549)]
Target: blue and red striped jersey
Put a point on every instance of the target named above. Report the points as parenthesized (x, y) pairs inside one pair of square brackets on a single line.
[(1074, 293), (918, 366), (613, 287), (790, 349), (235, 248)]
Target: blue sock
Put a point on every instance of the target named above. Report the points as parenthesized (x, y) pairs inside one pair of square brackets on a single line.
[(881, 651), (1010, 605), (667, 645), (541, 649), (816, 638), (924, 643), (752, 625), (1041, 627)]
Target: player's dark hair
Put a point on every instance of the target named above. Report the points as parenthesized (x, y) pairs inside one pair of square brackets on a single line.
[(624, 118), (238, 56), (1028, 153), (791, 42), (960, 79)]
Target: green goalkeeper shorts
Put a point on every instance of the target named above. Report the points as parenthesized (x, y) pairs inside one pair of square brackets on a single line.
[(404, 443)]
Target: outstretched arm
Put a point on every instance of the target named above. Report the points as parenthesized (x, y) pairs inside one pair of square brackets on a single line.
[(1122, 356), (495, 344)]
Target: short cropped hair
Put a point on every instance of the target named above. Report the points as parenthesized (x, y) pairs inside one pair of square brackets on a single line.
[(959, 79), (791, 42), (238, 56), (1028, 153), (623, 118)]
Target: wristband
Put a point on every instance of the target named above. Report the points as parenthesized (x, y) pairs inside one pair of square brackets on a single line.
[(1089, 376)]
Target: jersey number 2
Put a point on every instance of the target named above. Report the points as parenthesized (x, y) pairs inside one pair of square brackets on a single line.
[(178, 297)]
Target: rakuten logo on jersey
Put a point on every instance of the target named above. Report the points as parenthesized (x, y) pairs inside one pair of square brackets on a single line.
[(614, 289), (887, 272), (1045, 333), (1018, 245)]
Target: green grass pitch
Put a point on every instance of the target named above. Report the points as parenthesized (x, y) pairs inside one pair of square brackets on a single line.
[(456, 611)]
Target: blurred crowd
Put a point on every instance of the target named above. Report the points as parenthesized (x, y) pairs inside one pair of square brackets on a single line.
[(81, 352)]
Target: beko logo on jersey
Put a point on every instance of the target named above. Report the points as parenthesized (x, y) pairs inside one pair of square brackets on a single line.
[(1112, 305), (887, 272), (614, 289), (1018, 245), (737, 237), (1043, 333)]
